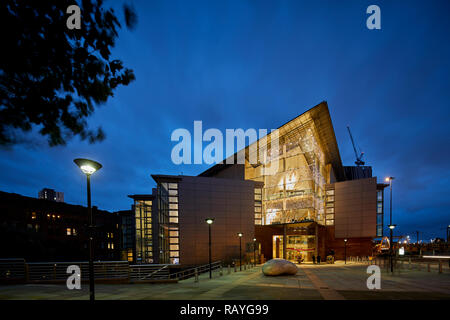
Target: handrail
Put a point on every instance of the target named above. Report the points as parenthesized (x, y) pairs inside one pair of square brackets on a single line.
[(154, 272), (191, 272)]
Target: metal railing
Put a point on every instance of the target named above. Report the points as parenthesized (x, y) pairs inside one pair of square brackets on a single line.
[(146, 272), (21, 271), (13, 269), (191, 272), (51, 271)]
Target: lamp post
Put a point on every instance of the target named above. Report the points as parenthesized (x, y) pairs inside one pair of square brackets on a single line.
[(88, 167), (254, 250), (209, 221), (345, 251), (240, 250), (391, 226)]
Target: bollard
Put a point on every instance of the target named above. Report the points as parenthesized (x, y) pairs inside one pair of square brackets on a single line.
[(196, 275), (221, 272), (428, 267), (409, 263), (245, 266), (235, 269), (440, 266), (229, 269)]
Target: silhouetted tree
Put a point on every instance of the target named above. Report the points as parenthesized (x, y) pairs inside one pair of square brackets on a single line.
[(52, 77)]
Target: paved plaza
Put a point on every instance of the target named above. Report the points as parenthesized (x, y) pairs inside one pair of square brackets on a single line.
[(312, 282)]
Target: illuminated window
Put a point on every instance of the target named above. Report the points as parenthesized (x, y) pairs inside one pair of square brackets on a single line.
[(69, 231)]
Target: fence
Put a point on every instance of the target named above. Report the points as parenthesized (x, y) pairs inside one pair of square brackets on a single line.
[(439, 264), (196, 271), (20, 271)]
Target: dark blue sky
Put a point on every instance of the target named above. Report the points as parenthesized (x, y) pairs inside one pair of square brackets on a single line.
[(257, 64)]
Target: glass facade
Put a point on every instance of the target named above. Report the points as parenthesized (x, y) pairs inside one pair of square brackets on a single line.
[(380, 211), (297, 247), (329, 207), (174, 229), (294, 178), (144, 234), (258, 206)]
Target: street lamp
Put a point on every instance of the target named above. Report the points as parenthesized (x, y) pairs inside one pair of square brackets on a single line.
[(345, 251), (254, 250), (209, 221), (89, 167), (391, 226), (240, 250), (391, 245)]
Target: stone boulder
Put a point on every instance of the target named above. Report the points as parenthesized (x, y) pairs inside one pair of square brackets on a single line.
[(276, 267)]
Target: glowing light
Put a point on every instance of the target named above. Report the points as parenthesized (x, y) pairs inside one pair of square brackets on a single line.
[(87, 169), (209, 220), (87, 166)]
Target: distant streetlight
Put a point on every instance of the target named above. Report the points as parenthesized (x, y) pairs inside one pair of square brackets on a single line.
[(254, 250), (240, 250), (209, 221), (345, 251), (89, 167), (391, 226)]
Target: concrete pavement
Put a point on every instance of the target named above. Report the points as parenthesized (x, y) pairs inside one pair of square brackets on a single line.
[(312, 282)]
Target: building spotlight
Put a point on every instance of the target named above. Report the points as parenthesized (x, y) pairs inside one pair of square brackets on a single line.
[(88, 167)]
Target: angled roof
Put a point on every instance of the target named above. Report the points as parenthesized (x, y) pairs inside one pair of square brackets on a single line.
[(320, 116)]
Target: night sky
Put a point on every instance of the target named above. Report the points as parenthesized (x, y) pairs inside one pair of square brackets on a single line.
[(257, 64)]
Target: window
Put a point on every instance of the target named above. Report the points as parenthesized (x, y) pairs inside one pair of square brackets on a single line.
[(69, 231), (173, 185), (330, 192)]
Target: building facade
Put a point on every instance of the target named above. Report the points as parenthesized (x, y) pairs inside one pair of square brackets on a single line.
[(51, 194), (45, 230), (291, 193)]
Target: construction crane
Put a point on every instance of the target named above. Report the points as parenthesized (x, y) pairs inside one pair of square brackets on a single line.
[(358, 161)]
